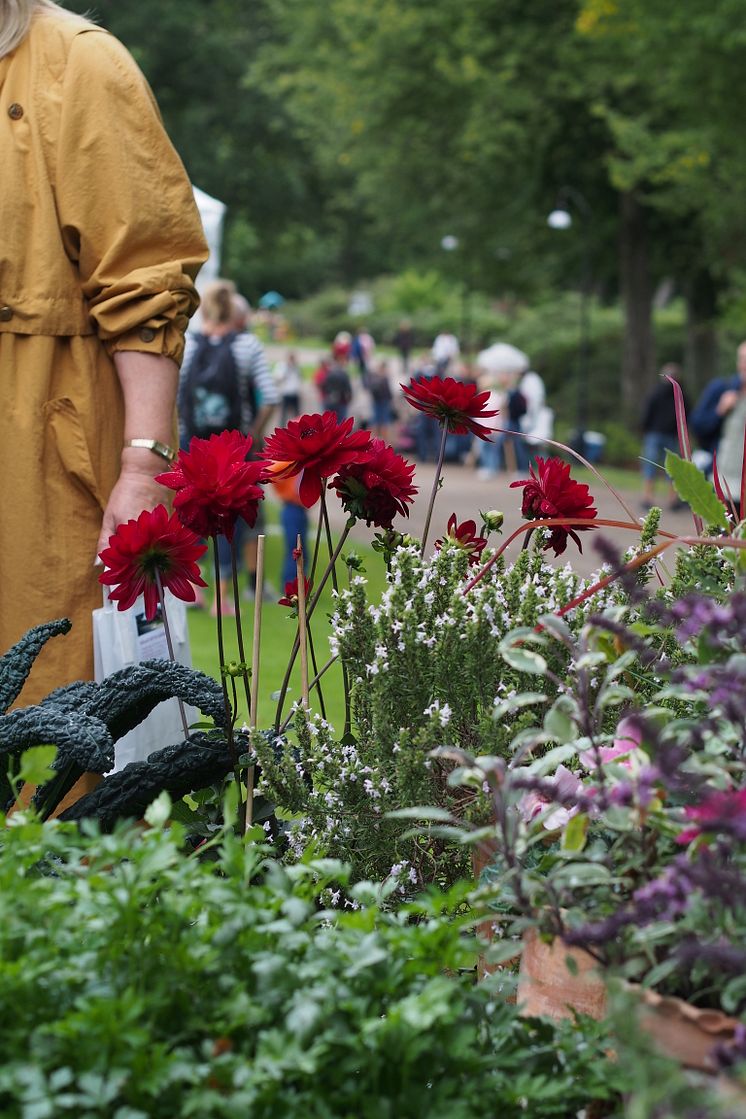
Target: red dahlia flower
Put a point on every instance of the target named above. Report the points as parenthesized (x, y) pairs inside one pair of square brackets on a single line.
[(377, 488), (452, 403), (316, 447), (290, 597), (154, 543), (553, 493), (215, 485), (465, 535)]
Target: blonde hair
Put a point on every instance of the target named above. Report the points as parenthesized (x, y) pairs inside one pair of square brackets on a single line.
[(15, 20), (217, 302)]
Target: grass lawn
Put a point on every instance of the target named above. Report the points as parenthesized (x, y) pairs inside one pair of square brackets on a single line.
[(278, 631)]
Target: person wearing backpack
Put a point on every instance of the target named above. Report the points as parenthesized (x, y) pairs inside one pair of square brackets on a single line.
[(336, 389), (226, 384)]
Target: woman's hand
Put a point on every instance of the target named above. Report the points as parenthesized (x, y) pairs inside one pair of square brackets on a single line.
[(135, 490)]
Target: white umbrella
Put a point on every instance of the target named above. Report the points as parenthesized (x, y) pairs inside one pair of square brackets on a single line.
[(503, 358)]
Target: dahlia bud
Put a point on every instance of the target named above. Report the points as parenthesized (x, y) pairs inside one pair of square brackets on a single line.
[(492, 520)]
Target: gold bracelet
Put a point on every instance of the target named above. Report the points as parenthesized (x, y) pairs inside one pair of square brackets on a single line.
[(161, 449)]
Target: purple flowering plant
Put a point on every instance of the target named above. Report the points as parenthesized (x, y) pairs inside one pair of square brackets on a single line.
[(619, 820)]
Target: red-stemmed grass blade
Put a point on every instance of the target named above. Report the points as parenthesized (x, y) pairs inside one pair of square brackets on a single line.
[(646, 557), (724, 494), (565, 522), (588, 465), (682, 428)]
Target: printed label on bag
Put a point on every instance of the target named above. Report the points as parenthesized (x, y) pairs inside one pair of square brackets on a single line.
[(151, 637)]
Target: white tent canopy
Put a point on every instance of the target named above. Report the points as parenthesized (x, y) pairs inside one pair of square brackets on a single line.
[(212, 213)]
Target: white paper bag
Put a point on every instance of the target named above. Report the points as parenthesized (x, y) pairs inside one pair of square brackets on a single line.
[(124, 637)]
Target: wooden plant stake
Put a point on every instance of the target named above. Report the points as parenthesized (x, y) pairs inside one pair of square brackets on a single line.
[(302, 630), (253, 718)]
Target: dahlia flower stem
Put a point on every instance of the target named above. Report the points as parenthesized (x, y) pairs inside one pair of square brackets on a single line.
[(221, 657), (436, 482), (239, 627), (333, 570), (169, 643), (312, 602)]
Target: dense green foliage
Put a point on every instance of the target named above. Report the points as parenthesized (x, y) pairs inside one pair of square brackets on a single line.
[(138, 983)]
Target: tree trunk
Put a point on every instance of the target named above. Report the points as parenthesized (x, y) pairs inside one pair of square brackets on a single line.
[(701, 355), (638, 349)]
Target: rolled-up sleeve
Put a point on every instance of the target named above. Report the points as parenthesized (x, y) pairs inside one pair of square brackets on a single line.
[(125, 205)]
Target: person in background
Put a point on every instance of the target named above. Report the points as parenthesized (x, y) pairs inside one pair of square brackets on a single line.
[(289, 381), (294, 521), (226, 383), (404, 342), (716, 402), (101, 243), (535, 421), (730, 448), (660, 434), (362, 350), (336, 390), (445, 350), (378, 385)]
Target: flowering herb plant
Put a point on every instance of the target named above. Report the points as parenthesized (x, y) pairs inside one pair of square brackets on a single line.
[(627, 838)]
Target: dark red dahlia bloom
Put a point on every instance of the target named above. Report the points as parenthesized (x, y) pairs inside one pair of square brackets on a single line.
[(465, 535), (154, 544), (452, 403), (377, 488), (290, 597), (553, 493), (723, 811), (316, 447), (215, 485)]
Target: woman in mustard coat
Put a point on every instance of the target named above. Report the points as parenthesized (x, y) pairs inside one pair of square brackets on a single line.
[(100, 242)]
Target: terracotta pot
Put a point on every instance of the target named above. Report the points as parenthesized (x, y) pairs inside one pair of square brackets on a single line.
[(481, 857), (684, 1032), (547, 987)]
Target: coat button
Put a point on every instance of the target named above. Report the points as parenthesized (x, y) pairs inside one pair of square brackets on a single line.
[(147, 334), (15, 111), (6, 314)]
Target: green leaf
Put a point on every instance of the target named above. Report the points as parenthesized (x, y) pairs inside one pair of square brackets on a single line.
[(523, 699), (558, 723), (575, 833), (522, 659), (693, 488), (425, 813), (159, 812), (36, 764)]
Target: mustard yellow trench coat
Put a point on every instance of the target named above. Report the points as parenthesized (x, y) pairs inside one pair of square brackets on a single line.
[(100, 242)]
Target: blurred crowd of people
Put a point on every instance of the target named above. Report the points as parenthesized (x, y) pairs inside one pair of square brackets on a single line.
[(353, 379)]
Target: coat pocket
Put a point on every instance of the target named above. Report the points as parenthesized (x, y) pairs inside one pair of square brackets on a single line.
[(67, 430)]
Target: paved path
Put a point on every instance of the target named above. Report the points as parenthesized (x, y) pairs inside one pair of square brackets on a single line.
[(466, 495)]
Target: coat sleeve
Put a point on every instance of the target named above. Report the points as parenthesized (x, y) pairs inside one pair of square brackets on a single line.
[(126, 208)]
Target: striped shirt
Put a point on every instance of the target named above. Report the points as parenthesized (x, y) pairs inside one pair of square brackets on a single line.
[(251, 365)]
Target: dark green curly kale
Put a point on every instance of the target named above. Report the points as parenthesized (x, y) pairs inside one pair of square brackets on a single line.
[(16, 664), (125, 698), (178, 769), (79, 738)]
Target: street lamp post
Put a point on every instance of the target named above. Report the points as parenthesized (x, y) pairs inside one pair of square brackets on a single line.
[(561, 219), (449, 244)]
